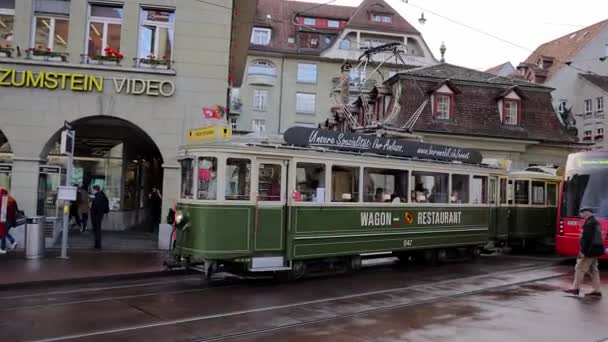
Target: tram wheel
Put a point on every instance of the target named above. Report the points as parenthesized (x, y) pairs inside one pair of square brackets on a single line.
[(298, 270), (475, 252), (431, 257)]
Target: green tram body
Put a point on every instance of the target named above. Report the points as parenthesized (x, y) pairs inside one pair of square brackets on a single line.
[(282, 235)]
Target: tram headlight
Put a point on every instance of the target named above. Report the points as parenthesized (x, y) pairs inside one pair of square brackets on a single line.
[(179, 217)]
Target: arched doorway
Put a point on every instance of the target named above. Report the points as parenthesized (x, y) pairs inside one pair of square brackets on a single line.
[(125, 162), (6, 168)]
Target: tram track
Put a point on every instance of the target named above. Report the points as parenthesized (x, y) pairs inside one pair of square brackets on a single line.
[(430, 293)]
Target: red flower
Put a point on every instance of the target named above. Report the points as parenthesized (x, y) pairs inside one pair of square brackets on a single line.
[(151, 56), (39, 47), (165, 58), (120, 56), (48, 49)]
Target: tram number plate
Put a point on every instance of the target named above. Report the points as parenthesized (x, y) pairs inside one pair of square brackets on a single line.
[(408, 243)]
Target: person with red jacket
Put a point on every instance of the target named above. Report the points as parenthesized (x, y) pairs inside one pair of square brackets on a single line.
[(11, 221)]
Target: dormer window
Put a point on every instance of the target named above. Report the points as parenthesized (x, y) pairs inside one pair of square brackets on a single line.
[(260, 36), (310, 21), (509, 107), (442, 100), (382, 18)]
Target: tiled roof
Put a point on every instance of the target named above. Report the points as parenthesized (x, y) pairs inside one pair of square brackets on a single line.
[(597, 80), (279, 16), (565, 48), (361, 18), (500, 69), (476, 111), (452, 72)]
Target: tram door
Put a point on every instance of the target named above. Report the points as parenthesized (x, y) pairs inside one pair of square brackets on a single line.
[(5, 176), (271, 205), (501, 217)]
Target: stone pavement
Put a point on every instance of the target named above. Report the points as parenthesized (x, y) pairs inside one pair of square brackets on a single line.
[(81, 265)]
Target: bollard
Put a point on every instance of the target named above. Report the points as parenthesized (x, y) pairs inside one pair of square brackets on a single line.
[(34, 237)]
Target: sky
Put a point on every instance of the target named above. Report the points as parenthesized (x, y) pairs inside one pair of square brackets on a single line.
[(527, 23)]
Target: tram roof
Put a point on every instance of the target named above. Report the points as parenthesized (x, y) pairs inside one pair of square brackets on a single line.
[(275, 141)]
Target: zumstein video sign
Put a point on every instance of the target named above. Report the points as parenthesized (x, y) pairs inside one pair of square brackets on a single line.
[(302, 136)]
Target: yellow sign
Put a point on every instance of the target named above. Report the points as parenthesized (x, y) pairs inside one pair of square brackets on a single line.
[(208, 133), (83, 82)]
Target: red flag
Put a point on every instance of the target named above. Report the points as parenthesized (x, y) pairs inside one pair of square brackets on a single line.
[(208, 113)]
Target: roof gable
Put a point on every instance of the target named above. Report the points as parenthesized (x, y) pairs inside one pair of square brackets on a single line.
[(597, 80), (361, 18)]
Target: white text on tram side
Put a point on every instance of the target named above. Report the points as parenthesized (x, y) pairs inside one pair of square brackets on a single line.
[(439, 217), (376, 219)]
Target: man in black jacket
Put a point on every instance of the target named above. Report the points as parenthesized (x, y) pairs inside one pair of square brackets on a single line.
[(591, 248), (99, 207)]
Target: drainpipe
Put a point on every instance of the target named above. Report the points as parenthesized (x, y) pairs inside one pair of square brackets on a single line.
[(281, 93)]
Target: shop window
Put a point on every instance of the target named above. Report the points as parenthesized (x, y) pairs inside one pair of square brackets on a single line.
[(430, 187), (384, 185), (104, 24), (51, 21), (269, 182), (307, 73), (186, 177), (238, 179), (260, 36), (552, 194), (305, 103), (503, 191), (538, 193), (522, 192), (156, 34), (479, 190), (207, 178), (460, 189), (310, 182), (344, 184), (7, 20)]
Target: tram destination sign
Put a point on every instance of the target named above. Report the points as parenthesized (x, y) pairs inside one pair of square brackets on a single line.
[(303, 136)]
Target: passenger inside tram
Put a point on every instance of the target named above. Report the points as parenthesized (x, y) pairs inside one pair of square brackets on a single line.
[(384, 185), (207, 178), (310, 182)]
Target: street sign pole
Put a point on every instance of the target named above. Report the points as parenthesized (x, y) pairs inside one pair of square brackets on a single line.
[(67, 147)]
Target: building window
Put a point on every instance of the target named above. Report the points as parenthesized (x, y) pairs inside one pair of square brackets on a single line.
[(600, 131), (372, 43), (600, 104), (345, 44), (561, 108), (104, 26), (233, 123), (379, 18), (7, 18), (309, 40), (443, 106), (511, 112), (333, 23), (258, 125), (310, 21), (588, 106), (51, 21), (262, 68), (260, 36), (260, 98), (305, 103), (307, 73), (156, 32)]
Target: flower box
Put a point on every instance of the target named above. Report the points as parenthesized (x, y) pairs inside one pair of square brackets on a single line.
[(151, 62), (42, 54), (110, 57), (6, 51)]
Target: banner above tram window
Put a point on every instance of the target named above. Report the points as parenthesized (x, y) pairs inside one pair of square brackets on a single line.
[(303, 136), (83, 82)]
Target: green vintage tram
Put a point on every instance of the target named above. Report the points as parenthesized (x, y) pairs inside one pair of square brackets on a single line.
[(323, 200)]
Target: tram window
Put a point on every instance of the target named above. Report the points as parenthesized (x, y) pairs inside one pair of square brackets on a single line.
[(310, 182), (479, 190), (207, 178), (384, 185), (430, 187), (522, 192), (552, 194), (503, 191), (538, 193), (238, 179), (269, 182), (460, 189), (186, 177), (344, 184), (492, 191)]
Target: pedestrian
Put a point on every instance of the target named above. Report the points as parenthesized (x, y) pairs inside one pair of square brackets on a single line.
[(74, 212), (12, 215), (155, 201), (99, 207), (83, 207), (591, 248)]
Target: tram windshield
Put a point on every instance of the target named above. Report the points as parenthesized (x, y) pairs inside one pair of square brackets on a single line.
[(586, 184)]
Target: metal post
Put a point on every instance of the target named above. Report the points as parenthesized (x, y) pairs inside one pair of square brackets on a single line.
[(66, 204)]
